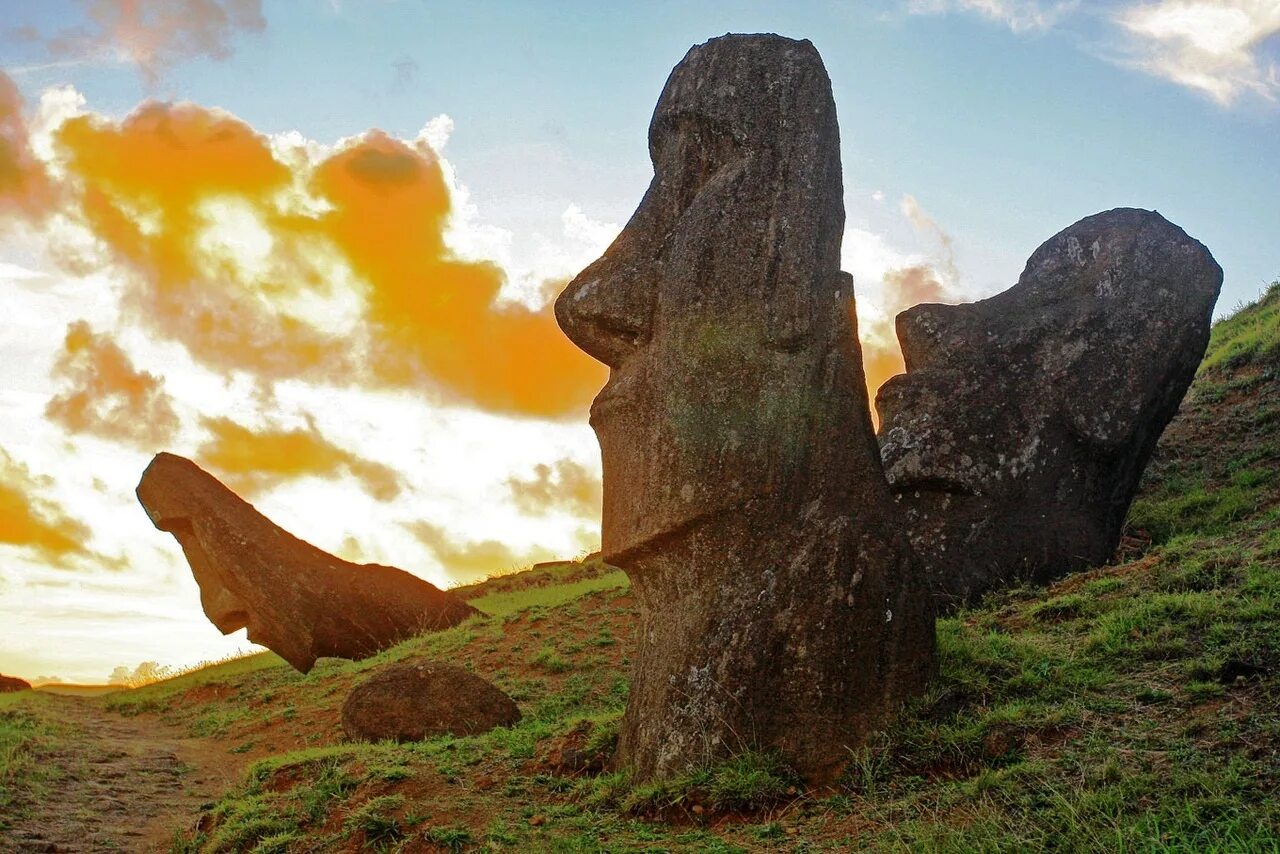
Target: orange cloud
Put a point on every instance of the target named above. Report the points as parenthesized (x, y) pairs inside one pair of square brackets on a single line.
[(30, 521), (564, 485), (143, 183), (154, 34), (881, 355), (24, 185), (472, 561), (252, 462), (434, 312), (107, 396), (377, 208)]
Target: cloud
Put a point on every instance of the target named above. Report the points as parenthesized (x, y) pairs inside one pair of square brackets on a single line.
[(233, 266), (25, 189), (435, 312), (290, 261), (1214, 47), (141, 187), (887, 282), (106, 396), (1218, 48), (1017, 15), (564, 485), (474, 560), (156, 34), (253, 461), (926, 225), (31, 521), (903, 287)]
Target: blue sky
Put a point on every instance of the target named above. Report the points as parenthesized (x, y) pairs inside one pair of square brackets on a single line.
[(1004, 136), (972, 131)]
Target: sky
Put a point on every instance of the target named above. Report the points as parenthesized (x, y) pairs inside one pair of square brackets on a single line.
[(312, 245)]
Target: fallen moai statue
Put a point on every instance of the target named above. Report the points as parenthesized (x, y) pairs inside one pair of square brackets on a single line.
[(295, 599), (1016, 439)]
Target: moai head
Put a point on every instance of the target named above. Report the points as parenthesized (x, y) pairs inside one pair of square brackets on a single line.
[(721, 309)]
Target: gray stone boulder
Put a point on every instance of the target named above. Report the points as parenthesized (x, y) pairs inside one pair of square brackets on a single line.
[(412, 701)]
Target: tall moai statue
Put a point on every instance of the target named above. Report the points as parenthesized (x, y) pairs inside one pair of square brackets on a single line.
[(782, 608)]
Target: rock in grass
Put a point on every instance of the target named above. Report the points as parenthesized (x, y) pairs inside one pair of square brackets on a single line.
[(1016, 439), (418, 700), (298, 601), (13, 683)]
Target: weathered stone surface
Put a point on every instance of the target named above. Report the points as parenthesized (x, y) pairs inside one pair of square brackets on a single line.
[(13, 683), (412, 701), (743, 492), (299, 601), (1017, 436)]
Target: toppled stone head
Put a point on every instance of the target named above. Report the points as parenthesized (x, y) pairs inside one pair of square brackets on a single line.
[(299, 601), (1017, 436), (743, 492)]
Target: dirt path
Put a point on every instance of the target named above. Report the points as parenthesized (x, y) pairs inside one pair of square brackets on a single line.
[(124, 784)]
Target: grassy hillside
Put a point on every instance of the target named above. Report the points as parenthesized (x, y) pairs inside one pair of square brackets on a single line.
[(1130, 708), (25, 734)]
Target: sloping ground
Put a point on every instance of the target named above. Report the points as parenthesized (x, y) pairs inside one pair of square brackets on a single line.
[(1135, 707), (108, 783)]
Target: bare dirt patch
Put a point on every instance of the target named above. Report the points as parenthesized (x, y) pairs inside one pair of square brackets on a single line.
[(123, 784)]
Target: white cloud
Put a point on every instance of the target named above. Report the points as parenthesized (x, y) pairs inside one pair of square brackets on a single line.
[(456, 462), (1017, 15), (16, 273), (436, 132), (57, 104), (870, 259), (1219, 48), (1215, 47), (925, 224)]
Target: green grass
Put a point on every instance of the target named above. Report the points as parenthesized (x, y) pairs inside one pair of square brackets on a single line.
[(551, 596), (452, 837), (747, 782), (25, 731), (1195, 509), (1249, 335), (1130, 708), (157, 695), (1216, 463)]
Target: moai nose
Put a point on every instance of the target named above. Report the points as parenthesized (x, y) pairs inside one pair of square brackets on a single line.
[(606, 312)]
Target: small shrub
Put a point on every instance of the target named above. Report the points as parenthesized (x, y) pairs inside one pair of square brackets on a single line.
[(1060, 608), (453, 837), (550, 660), (376, 819), (747, 782)]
